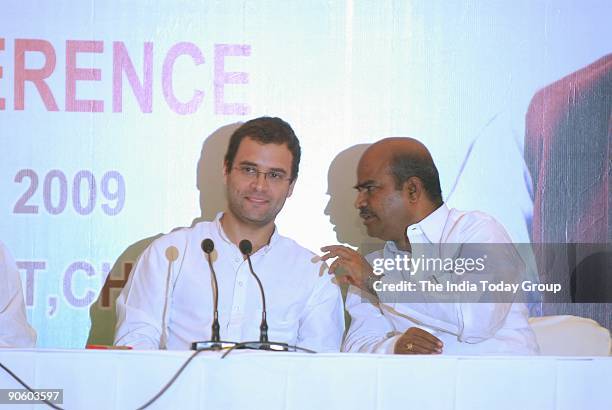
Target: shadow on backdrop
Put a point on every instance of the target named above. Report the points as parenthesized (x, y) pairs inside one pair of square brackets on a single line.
[(341, 178), (209, 181), (210, 173)]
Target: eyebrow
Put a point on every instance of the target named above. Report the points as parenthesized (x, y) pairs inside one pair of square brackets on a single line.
[(279, 170), (364, 184)]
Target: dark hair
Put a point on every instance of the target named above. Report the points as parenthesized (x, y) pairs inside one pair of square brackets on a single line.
[(266, 130), (404, 166)]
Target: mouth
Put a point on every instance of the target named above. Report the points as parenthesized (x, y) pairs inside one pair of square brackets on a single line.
[(367, 217), (257, 200)]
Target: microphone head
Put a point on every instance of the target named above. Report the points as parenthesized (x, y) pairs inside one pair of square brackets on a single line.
[(208, 245), (172, 253), (245, 247)]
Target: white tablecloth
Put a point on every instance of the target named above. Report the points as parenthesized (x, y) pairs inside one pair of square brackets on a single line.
[(94, 379)]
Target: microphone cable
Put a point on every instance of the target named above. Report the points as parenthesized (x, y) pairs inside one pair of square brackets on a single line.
[(245, 344), (172, 380), (169, 383)]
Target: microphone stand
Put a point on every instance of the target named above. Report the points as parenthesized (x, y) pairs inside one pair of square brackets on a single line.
[(263, 343), (215, 342)]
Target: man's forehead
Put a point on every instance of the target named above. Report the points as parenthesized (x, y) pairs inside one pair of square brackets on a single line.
[(265, 154), (372, 165)]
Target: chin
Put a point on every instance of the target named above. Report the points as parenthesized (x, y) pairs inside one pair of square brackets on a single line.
[(372, 232), (259, 221)]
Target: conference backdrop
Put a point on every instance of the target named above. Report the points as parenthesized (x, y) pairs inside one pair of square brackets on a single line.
[(114, 117)]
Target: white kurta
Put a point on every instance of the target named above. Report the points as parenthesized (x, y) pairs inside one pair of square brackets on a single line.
[(464, 328), (14, 328), (304, 307)]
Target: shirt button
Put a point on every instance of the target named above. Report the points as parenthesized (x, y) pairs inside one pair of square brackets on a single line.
[(237, 260), (240, 283)]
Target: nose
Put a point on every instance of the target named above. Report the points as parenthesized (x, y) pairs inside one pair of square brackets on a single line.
[(261, 181)]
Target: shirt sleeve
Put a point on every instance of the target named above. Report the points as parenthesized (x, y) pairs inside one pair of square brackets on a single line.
[(140, 305), (14, 328), (322, 325), (370, 330)]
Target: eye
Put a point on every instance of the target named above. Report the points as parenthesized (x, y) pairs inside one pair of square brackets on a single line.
[(368, 189), (248, 170), (278, 176)]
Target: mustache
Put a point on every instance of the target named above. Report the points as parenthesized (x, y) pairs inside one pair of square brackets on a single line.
[(365, 212)]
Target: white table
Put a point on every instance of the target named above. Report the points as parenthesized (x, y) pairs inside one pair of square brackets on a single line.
[(94, 379)]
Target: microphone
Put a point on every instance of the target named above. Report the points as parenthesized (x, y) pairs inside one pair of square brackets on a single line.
[(172, 255), (208, 246), (246, 248)]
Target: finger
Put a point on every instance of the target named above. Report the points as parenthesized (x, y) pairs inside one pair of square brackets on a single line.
[(418, 349), (329, 248), (340, 250), (338, 253), (328, 256), (427, 336), (424, 340), (418, 346), (415, 331), (335, 265), (411, 348), (426, 346)]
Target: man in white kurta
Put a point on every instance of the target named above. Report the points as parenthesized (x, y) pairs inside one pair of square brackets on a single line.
[(400, 201), (463, 328), (304, 307), (168, 302), (14, 328)]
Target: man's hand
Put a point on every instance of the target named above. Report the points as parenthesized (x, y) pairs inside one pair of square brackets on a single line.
[(418, 341), (356, 268)]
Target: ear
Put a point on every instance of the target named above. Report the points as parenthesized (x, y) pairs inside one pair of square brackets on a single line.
[(413, 188), (290, 191)]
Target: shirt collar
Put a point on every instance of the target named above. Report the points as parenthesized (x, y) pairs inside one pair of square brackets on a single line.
[(432, 226), (391, 248), (266, 248)]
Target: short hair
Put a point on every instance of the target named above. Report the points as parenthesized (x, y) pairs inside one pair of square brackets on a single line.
[(404, 166), (266, 130)]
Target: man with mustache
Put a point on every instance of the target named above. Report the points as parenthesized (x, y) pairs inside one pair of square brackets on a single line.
[(400, 201), (304, 308)]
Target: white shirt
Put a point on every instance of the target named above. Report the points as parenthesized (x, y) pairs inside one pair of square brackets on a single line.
[(304, 307), (464, 328), (14, 328)]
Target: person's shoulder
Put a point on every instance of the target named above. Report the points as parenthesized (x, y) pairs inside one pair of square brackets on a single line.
[(291, 248), (303, 260), (181, 236), (477, 226)]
